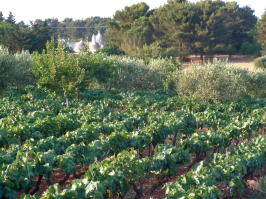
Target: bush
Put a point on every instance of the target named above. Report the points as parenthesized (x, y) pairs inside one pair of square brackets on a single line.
[(133, 74), (64, 73), (110, 49), (147, 52), (249, 49), (166, 67), (257, 83), (260, 62), (21, 73), (217, 81), (14, 69), (7, 62)]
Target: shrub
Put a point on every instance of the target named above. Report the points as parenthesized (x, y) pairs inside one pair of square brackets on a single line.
[(21, 72), (257, 83), (260, 62), (133, 74), (217, 81), (7, 62), (110, 49), (166, 67), (61, 72), (14, 68), (147, 52), (249, 48)]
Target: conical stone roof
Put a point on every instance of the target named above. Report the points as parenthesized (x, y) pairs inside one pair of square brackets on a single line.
[(94, 45), (99, 39), (79, 46)]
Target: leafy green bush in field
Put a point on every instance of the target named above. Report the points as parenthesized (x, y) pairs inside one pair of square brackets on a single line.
[(257, 83), (260, 62), (14, 68), (217, 81), (134, 74), (61, 72), (166, 66), (220, 81), (147, 52), (7, 62), (249, 48), (21, 73)]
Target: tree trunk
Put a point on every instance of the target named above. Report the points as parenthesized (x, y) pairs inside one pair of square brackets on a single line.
[(201, 59), (37, 187), (139, 192), (174, 141), (152, 149), (77, 97), (159, 181), (67, 101), (65, 179)]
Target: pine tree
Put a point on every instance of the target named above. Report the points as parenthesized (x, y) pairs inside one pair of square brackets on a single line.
[(131, 28), (261, 30), (241, 21), (203, 28), (10, 19), (175, 23), (2, 19)]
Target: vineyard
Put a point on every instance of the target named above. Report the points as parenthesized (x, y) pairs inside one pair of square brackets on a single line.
[(121, 138)]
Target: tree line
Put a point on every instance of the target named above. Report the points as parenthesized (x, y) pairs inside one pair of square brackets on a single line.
[(178, 28), (74, 30), (33, 37), (182, 27), (19, 36)]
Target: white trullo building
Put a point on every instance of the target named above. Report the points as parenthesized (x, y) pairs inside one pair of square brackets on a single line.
[(97, 42)]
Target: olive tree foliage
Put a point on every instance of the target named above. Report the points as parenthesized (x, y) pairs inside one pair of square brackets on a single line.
[(217, 81), (133, 74), (257, 83), (22, 75), (14, 68), (260, 62), (62, 72), (7, 62), (220, 81)]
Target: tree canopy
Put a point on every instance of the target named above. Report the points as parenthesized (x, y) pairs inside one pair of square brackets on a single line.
[(131, 28), (33, 37), (261, 30), (19, 37), (204, 28), (61, 72)]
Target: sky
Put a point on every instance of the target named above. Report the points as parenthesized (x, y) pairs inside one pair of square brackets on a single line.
[(30, 10)]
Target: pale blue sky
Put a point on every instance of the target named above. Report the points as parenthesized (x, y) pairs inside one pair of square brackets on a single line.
[(26, 10)]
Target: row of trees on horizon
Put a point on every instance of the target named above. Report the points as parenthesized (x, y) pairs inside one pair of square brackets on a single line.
[(178, 28)]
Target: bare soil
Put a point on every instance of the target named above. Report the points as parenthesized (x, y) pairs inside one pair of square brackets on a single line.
[(242, 61)]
